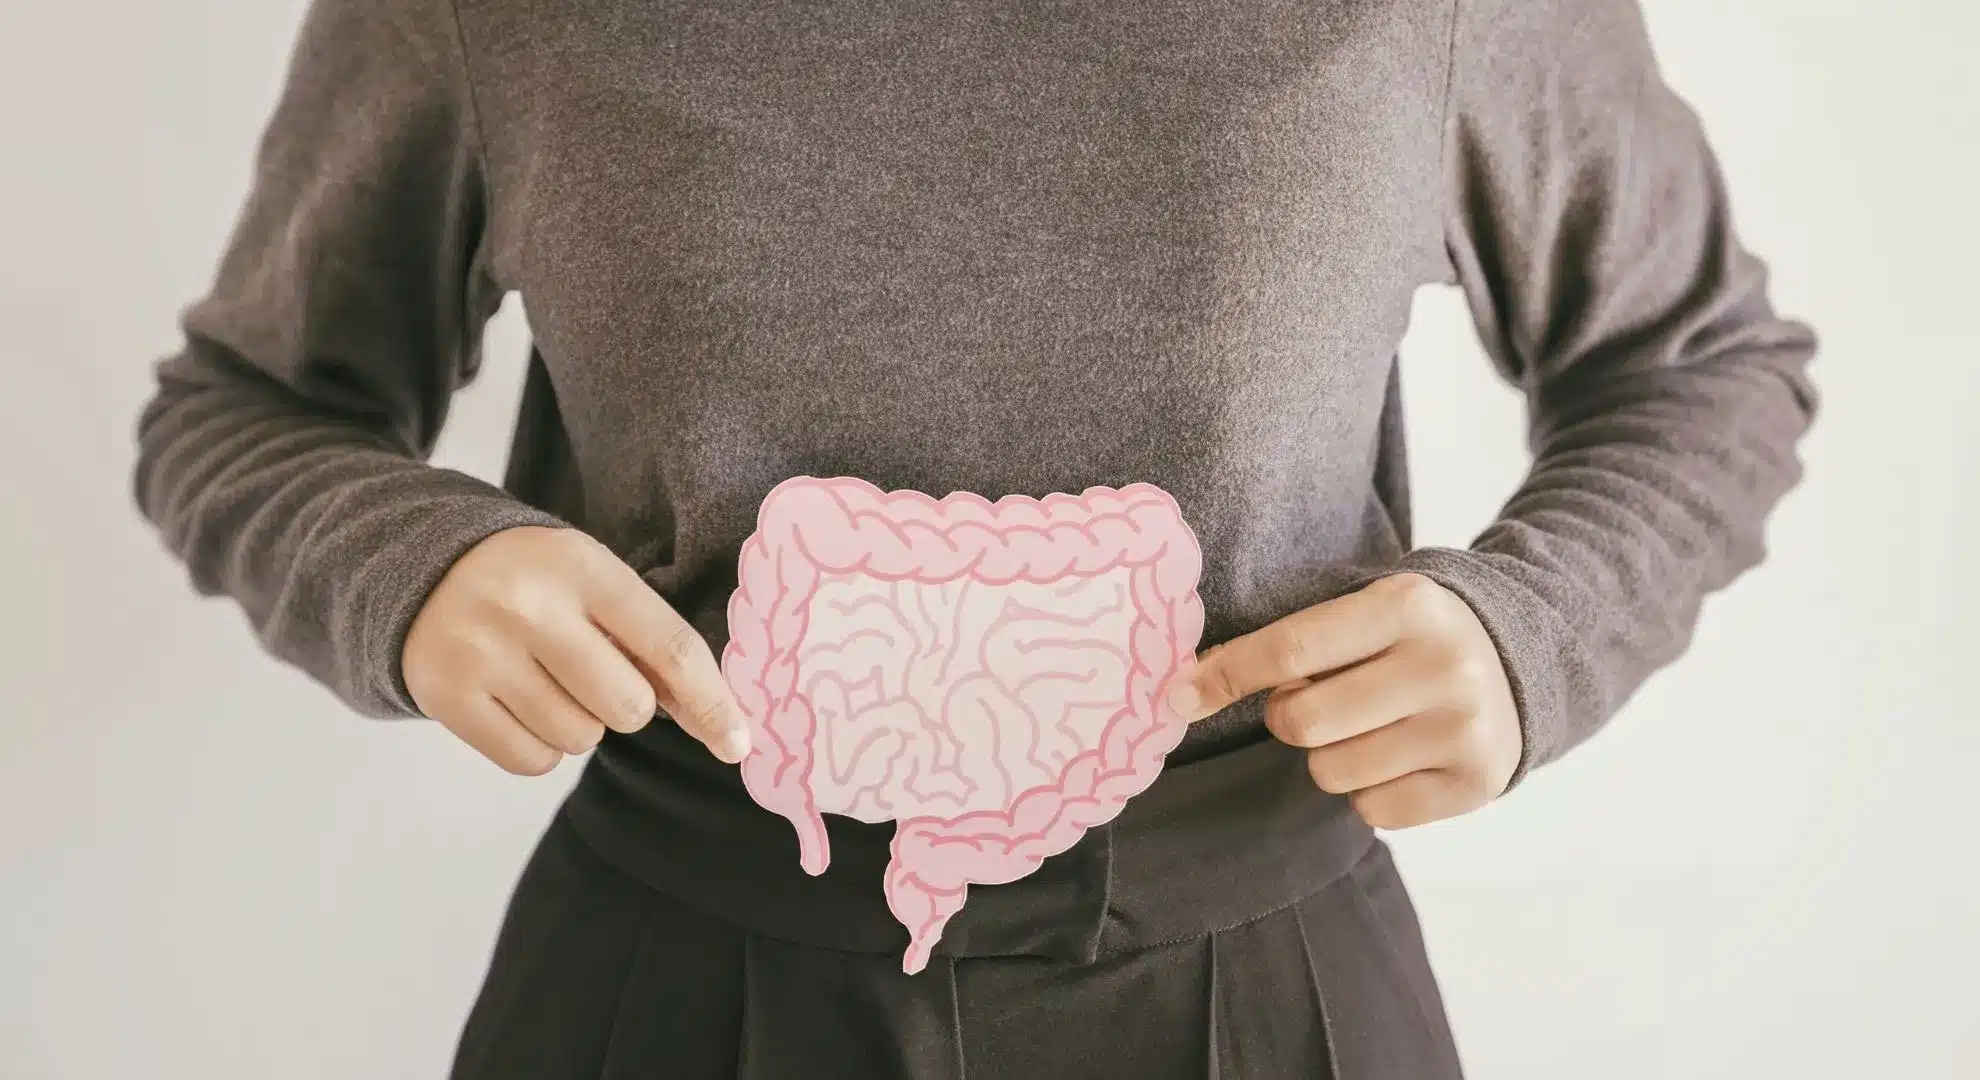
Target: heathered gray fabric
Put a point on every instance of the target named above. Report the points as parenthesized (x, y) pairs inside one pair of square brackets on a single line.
[(1004, 246)]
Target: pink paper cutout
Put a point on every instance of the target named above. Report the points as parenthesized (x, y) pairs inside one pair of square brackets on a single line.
[(845, 588)]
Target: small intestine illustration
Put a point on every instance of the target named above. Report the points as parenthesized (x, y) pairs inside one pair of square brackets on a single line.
[(990, 676)]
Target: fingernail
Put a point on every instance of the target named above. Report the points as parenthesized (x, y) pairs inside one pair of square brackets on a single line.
[(734, 746)]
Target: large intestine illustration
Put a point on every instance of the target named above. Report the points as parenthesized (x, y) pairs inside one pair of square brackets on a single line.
[(988, 675)]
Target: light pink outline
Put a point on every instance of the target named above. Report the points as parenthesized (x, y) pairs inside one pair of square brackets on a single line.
[(809, 526)]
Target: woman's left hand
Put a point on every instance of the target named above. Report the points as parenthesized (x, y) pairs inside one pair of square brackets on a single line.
[(1396, 692)]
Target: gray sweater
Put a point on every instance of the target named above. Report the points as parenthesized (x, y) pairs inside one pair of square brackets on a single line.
[(1003, 246)]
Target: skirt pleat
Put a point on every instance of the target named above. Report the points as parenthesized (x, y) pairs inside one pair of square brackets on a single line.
[(1271, 1019), (1138, 1015), (826, 1014), (681, 1012), (1384, 1015)]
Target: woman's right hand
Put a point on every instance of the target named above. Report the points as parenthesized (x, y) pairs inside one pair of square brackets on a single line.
[(538, 639)]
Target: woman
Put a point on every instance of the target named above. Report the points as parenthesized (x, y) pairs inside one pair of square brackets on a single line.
[(998, 247)]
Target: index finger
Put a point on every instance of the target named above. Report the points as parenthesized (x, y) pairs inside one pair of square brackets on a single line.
[(668, 649), (1311, 641)]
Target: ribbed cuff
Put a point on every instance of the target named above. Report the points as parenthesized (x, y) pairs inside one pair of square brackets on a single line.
[(394, 583)]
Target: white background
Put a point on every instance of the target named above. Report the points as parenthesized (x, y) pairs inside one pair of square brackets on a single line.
[(1767, 867)]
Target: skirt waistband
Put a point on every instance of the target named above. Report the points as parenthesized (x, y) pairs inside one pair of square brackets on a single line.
[(1209, 845)]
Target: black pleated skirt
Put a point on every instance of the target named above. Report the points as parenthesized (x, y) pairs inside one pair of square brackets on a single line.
[(596, 973)]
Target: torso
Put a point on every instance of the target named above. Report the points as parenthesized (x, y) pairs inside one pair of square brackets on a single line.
[(1013, 247)]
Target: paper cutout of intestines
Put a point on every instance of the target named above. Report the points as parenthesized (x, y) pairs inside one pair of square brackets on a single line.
[(989, 676)]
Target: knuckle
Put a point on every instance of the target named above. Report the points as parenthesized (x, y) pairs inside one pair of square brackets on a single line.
[(1464, 665), (610, 692), (534, 761), (1469, 671), (498, 594), (1222, 685), (710, 716), (1476, 740), (1423, 603), (586, 738), (1280, 725), (1279, 718), (1326, 773), (529, 599), (1381, 813), (444, 667), (1444, 664), (586, 553), (637, 707), (1292, 722), (1292, 654), (680, 644)]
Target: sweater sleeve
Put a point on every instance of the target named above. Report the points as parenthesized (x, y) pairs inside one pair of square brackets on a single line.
[(1589, 228), (282, 454)]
